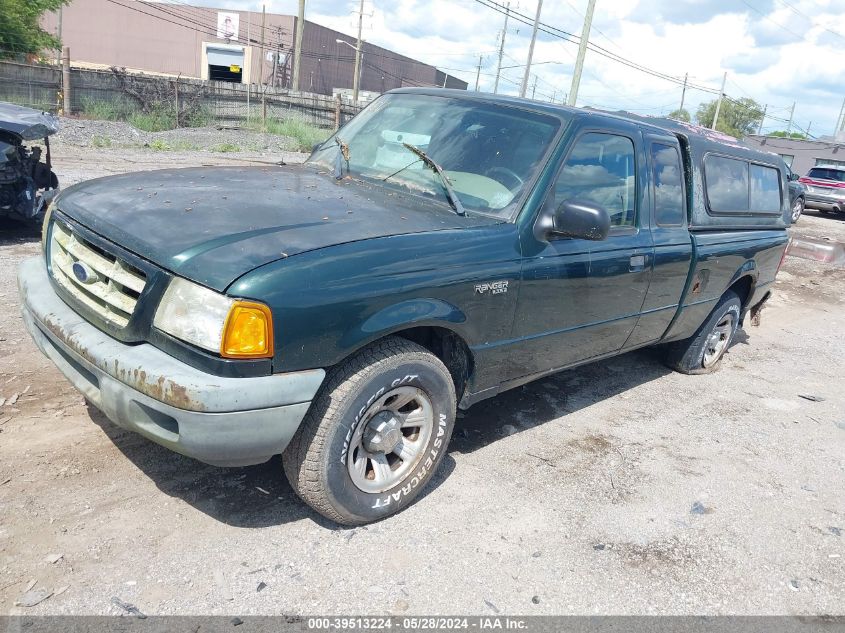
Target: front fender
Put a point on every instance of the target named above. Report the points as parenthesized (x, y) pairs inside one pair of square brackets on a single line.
[(401, 316)]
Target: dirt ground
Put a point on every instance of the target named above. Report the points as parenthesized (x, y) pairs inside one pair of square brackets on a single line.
[(618, 488)]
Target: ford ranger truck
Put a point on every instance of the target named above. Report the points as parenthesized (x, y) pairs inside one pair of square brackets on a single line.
[(440, 248)]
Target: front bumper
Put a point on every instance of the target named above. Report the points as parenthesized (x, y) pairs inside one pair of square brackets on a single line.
[(217, 420)]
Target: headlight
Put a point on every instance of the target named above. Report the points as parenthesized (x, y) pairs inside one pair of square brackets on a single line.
[(215, 322)]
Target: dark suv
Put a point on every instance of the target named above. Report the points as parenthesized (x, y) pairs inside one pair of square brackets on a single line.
[(825, 188), (797, 194)]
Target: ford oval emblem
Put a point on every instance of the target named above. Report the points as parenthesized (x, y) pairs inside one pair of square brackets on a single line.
[(84, 274)]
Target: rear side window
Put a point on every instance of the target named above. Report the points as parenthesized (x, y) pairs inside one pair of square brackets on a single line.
[(668, 186), (727, 184), (601, 169), (765, 189), (825, 173), (734, 185)]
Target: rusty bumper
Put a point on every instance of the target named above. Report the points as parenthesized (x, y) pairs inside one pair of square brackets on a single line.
[(220, 421)]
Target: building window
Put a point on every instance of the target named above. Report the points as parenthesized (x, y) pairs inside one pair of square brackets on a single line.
[(787, 158)]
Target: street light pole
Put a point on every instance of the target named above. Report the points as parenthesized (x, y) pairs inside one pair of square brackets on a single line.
[(582, 52), (524, 87), (358, 56), (356, 79)]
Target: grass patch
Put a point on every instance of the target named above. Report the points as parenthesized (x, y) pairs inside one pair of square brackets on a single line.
[(100, 141), (305, 134), (103, 110), (157, 120), (225, 148), (160, 118), (159, 146)]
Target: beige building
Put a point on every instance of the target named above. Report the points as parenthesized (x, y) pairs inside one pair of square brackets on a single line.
[(229, 45)]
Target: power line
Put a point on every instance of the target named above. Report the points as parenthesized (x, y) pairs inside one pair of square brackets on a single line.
[(573, 39)]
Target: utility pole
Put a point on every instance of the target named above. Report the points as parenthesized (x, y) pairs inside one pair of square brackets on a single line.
[(791, 116), (719, 102), (355, 79), (502, 48), (59, 37), (582, 52), (478, 72), (251, 59), (684, 91), (840, 122), (762, 118), (297, 53), (534, 87), (261, 69), (59, 99), (809, 125), (524, 86), (66, 81)]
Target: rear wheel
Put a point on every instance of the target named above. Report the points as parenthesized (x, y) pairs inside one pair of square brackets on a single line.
[(702, 353), (375, 435), (797, 209)]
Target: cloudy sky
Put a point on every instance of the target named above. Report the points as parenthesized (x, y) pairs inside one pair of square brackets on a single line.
[(775, 51)]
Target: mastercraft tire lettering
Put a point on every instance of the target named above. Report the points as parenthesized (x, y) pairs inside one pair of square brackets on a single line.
[(375, 435)]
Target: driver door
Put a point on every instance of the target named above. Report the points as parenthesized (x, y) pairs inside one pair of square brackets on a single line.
[(581, 299)]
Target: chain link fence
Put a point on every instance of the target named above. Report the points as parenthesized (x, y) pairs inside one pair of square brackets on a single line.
[(156, 102)]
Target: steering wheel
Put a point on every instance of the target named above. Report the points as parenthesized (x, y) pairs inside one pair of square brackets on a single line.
[(516, 181)]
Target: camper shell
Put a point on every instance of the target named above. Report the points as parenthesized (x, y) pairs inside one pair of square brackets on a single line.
[(717, 168)]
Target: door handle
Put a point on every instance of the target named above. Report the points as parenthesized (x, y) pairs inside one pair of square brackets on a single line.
[(637, 263)]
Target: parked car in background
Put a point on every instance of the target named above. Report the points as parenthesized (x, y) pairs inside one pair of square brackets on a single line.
[(825, 188), (27, 183), (797, 194), (441, 248)]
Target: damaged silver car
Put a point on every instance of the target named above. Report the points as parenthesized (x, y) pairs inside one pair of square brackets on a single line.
[(27, 183)]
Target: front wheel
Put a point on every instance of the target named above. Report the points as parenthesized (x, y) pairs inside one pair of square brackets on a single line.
[(797, 209), (702, 353), (375, 435)]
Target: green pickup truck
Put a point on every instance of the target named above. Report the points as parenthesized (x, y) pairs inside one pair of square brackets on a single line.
[(440, 248)]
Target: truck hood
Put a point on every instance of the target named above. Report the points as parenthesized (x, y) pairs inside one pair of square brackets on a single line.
[(213, 225), (27, 123)]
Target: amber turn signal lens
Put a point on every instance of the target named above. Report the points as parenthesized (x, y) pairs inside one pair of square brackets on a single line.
[(248, 332)]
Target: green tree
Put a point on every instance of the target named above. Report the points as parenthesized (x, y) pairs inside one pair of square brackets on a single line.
[(785, 134), (20, 30), (681, 114), (737, 117)]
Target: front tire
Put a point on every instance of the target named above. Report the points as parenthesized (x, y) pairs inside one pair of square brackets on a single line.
[(375, 435), (702, 353)]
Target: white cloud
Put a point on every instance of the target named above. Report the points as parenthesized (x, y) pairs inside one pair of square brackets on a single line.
[(775, 51)]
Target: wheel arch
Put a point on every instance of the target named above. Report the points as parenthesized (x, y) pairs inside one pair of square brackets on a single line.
[(434, 324), (743, 286)]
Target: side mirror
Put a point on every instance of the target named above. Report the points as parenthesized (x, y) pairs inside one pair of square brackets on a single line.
[(793, 176), (582, 220)]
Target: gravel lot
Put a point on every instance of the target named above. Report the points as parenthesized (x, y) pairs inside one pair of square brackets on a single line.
[(617, 488)]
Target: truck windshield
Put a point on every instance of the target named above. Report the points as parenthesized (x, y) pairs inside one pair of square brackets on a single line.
[(488, 152)]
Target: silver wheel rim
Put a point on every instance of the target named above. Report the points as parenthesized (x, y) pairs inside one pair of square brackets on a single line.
[(717, 341), (796, 210), (390, 439)]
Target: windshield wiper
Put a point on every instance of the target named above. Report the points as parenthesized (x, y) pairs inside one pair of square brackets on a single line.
[(437, 169), (342, 155)]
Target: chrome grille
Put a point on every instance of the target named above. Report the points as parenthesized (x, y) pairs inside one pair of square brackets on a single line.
[(113, 293)]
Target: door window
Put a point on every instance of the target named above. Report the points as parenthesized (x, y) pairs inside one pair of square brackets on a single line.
[(601, 170)]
